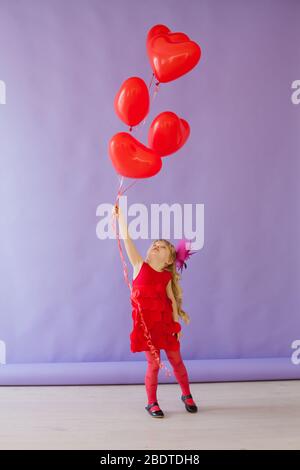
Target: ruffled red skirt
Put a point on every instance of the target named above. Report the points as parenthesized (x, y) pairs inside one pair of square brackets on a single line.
[(152, 319)]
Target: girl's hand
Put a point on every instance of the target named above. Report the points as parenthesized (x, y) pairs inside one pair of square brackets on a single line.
[(115, 211), (178, 335)]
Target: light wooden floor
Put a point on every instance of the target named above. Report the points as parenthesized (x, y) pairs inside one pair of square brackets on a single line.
[(232, 415)]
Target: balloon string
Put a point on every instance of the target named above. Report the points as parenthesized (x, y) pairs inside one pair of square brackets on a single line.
[(156, 90), (152, 77), (125, 270), (147, 334), (152, 98)]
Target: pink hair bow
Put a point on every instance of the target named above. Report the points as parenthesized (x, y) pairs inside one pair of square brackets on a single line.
[(183, 252)]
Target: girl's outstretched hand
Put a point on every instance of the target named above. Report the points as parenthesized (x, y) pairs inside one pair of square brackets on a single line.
[(115, 211)]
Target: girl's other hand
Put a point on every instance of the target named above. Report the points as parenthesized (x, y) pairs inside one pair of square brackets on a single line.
[(178, 335)]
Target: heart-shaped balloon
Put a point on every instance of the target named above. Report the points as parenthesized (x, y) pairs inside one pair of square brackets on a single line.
[(132, 101), (171, 55), (131, 158), (168, 133)]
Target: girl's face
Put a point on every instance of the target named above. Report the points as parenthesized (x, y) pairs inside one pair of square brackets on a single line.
[(159, 251)]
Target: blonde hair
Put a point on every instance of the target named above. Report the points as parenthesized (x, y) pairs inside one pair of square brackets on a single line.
[(176, 287)]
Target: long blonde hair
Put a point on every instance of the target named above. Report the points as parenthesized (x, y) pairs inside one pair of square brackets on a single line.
[(176, 287)]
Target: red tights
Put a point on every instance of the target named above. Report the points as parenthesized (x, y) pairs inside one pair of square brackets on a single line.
[(180, 372)]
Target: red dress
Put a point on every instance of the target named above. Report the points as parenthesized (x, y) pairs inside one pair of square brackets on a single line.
[(149, 296)]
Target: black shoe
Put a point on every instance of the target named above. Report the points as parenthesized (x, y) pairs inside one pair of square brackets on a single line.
[(155, 414), (190, 408)]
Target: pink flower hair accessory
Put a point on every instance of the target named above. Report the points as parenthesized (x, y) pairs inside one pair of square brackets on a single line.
[(183, 252)]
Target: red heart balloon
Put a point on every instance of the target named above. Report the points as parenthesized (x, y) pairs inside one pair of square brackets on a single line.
[(168, 133), (132, 101), (171, 55), (131, 158)]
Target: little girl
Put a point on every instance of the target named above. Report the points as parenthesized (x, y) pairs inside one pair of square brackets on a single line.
[(156, 291)]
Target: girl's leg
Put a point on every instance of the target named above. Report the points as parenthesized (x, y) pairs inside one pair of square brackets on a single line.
[(151, 377), (180, 373)]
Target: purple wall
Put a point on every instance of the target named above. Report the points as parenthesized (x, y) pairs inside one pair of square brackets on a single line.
[(63, 298)]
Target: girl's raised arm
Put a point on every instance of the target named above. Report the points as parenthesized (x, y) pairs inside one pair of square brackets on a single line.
[(134, 256)]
